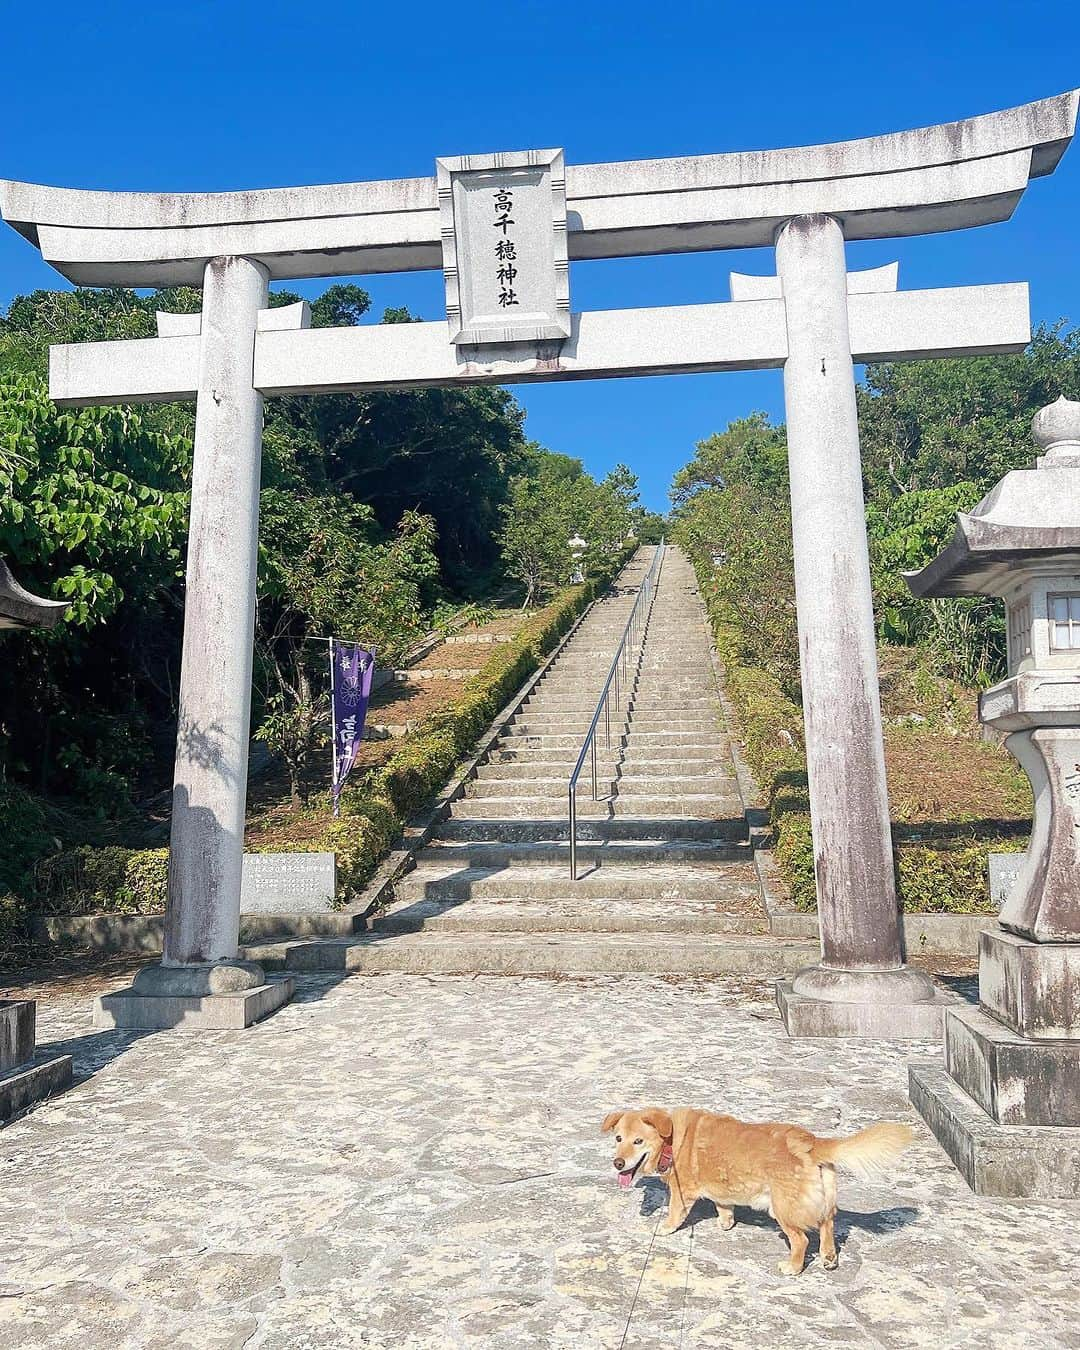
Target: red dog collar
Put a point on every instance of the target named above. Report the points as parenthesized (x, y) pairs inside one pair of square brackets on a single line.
[(666, 1160)]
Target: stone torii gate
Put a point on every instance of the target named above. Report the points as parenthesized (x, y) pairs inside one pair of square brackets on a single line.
[(503, 228)]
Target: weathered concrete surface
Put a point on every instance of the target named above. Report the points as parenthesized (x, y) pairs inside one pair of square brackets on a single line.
[(399, 1161), (16, 1032), (996, 1160), (946, 177), (1016, 1081), (202, 921), (130, 1009), (25, 1076), (39, 1077), (1032, 987), (845, 757), (919, 1020)]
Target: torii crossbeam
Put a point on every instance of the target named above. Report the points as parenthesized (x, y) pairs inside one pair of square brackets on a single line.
[(813, 320)]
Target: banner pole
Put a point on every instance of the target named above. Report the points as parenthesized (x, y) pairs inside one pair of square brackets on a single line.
[(333, 727)]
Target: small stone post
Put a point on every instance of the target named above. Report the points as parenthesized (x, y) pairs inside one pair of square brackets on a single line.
[(1006, 1104), (202, 920), (862, 980)]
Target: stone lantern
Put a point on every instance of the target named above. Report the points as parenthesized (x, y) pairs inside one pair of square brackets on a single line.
[(577, 552), (1006, 1105), (25, 1076)]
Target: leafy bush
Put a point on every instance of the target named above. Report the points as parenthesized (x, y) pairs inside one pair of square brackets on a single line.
[(26, 828), (937, 875)]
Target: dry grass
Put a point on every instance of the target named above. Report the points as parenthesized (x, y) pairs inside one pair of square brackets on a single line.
[(935, 777)]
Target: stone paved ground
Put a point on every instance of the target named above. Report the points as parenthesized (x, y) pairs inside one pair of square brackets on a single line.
[(408, 1161)]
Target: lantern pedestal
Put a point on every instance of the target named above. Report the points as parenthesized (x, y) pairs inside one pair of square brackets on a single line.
[(25, 1076), (1005, 1105)]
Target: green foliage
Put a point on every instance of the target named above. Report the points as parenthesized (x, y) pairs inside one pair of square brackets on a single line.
[(111, 880), (932, 875), (966, 636), (933, 424), (324, 572), (750, 451), (27, 836), (551, 504), (99, 489), (731, 512)]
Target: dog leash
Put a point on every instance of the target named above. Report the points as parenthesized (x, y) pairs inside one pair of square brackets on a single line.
[(686, 1288), (641, 1277)]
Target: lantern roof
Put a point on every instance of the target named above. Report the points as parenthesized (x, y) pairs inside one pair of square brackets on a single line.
[(20, 609)]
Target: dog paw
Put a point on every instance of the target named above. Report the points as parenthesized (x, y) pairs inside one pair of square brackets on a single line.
[(830, 1262), (786, 1268), (727, 1222)]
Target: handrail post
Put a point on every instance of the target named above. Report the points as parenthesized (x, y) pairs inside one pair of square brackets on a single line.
[(573, 832), (619, 673)]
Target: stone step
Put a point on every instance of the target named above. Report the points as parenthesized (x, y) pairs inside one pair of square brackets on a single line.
[(666, 708), (578, 914), (711, 882), (567, 723), (536, 780), (579, 954), (660, 754), (673, 738), (621, 771), (556, 853), (522, 829), (693, 806)]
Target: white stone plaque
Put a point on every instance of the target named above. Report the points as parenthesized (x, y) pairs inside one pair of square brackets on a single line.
[(1004, 868), (503, 223), (288, 883)]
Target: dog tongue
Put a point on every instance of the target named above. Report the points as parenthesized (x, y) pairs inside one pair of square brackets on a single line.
[(625, 1178)]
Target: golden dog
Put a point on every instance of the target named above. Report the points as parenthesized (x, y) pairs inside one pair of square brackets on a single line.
[(781, 1169)]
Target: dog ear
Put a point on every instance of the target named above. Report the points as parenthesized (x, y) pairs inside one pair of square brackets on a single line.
[(659, 1120), (610, 1121)]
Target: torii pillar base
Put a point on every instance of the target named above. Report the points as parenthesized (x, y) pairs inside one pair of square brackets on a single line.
[(218, 996), (887, 1005)]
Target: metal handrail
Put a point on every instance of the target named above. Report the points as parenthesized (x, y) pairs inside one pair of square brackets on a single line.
[(634, 630)]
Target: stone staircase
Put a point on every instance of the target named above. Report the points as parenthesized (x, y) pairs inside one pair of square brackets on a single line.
[(666, 878)]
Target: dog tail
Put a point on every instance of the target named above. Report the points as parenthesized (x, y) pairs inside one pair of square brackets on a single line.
[(867, 1153)]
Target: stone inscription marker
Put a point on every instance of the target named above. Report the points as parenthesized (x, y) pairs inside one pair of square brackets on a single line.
[(288, 883), (503, 223), (1003, 868)]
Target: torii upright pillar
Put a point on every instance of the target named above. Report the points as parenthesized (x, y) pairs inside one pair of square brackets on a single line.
[(862, 986), (200, 980)]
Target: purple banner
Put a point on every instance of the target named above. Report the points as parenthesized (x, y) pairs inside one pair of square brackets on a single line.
[(351, 672)]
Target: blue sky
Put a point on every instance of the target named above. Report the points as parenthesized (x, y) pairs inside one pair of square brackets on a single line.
[(144, 95)]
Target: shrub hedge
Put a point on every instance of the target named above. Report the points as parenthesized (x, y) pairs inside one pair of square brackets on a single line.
[(374, 808), (939, 875)]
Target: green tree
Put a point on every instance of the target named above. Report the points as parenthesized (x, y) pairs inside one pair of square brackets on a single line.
[(555, 501), (93, 509), (326, 572), (932, 424)]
